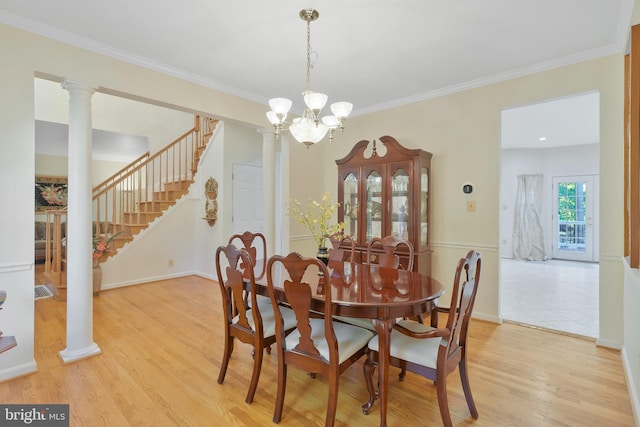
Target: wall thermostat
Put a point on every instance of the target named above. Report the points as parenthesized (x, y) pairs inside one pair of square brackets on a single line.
[(467, 188)]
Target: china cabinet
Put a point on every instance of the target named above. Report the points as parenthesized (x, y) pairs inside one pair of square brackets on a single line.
[(383, 189)]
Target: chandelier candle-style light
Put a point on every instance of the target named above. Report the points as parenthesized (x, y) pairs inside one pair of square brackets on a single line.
[(310, 128)]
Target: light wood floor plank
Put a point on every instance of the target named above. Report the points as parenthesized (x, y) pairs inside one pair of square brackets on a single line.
[(162, 346)]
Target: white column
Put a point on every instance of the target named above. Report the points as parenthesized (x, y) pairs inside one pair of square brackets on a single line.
[(285, 183), (269, 189), (80, 343)]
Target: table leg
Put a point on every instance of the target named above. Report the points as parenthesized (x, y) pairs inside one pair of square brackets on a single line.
[(383, 328)]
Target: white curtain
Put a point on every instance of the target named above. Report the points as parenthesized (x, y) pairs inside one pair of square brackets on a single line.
[(528, 238)]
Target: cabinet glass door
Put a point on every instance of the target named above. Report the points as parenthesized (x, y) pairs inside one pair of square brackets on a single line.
[(424, 204), (351, 205), (400, 204), (373, 216)]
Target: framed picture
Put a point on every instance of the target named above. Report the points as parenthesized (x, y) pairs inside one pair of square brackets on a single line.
[(50, 193)]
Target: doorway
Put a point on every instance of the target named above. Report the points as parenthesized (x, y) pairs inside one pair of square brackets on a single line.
[(574, 218), (558, 139), (247, 199)]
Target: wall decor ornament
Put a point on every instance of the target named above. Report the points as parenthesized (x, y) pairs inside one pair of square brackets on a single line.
[(211, 206), (50, 193)]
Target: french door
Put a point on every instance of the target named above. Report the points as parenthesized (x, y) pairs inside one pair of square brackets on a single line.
[(575, 218)]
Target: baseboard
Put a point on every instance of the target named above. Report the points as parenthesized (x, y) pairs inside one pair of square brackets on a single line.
[(486, 317), (631, 386), (18, 371), (107, 286), (609, 344)]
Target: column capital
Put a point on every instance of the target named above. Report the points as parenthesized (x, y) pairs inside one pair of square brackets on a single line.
[(266, 131), (74, 85)]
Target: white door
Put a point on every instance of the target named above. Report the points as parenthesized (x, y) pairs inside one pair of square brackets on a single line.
[(575, 218), (247, 199)]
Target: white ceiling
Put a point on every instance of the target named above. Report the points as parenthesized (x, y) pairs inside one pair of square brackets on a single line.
[(560, 122), (376, 54), (53, 139)]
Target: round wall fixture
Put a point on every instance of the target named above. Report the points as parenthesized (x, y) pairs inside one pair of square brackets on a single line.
[(467, 188)]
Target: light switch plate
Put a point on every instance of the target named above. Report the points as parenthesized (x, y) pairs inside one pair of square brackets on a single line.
[(471, 205)]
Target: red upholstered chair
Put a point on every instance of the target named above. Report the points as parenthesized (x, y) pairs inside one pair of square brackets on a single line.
[(317, 345), (384, 251), (434, 353), (254, 326)]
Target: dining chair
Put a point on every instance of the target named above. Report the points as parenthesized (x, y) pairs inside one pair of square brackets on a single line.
[(256, 245), (337, 257), (317, 345), (431, 352), (384, 251), (339, 241), (251, 323)]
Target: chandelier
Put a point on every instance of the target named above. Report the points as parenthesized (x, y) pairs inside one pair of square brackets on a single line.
[(310, 128)]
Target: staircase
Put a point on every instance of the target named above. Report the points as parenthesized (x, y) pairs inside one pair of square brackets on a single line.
[(125, 203)]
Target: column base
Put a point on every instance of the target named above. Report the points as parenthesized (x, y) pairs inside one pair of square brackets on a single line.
[(69, 356)]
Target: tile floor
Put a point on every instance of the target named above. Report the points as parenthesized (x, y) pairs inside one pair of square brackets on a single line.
[(552, 294)]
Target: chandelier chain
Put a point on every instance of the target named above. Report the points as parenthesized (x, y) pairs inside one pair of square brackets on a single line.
[(308, 56)]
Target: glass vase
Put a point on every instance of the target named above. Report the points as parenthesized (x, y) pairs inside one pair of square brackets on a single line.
[(323, 254)]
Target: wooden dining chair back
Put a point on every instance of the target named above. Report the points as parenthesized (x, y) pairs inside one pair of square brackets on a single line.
[(343, 247), (256, 246), (249, 322), (386, 252), (434, 353), (317, 345)]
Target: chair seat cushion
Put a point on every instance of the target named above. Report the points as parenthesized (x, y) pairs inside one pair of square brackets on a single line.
[(356, 321), (419, 351), (264, 303), (268, 319), (350, 338)]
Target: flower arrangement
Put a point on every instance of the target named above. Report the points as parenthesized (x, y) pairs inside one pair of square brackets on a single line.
[(101, 245), (316, 217)]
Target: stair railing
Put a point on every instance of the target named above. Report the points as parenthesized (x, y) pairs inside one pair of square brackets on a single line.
[(125, 202), (55, 232), (122, 172), (146, 189)]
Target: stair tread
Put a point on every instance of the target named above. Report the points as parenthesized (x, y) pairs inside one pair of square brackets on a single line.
[(144, 213), (159, 203)]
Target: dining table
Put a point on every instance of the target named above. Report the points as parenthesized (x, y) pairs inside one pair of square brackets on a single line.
[(368, 291)]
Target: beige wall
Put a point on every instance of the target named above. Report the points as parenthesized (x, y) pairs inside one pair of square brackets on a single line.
[(308, 171), (462, 130)]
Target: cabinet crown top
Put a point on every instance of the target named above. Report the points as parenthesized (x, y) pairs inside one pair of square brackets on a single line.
[(391, 150)]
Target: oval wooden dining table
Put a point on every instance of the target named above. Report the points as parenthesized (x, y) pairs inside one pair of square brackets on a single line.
[(382, 295)]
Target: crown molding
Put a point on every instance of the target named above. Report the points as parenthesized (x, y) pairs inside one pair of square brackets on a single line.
[(100, 48)]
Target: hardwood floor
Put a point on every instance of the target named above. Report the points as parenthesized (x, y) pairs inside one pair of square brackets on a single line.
[(161, 345)]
